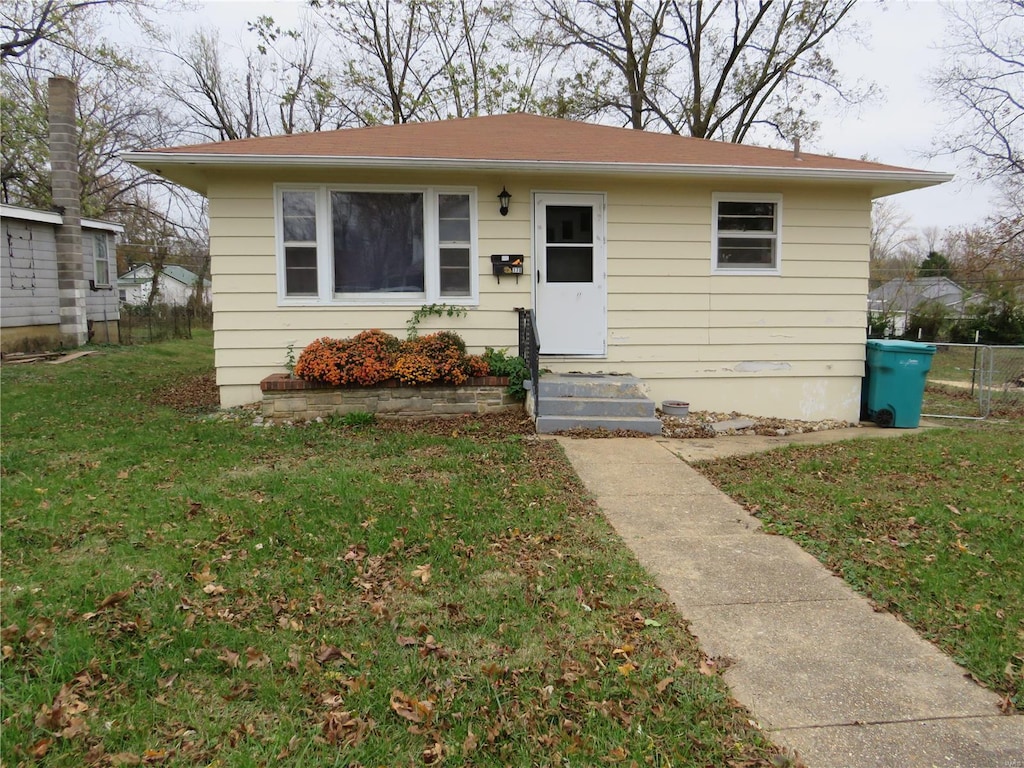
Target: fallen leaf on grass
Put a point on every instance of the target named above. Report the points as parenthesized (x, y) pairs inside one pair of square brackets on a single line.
[(627, 669), (708, 667), (40, 748), (331, 652), (167, 682), (617, 755), (230, 658), (664, 683), (470, 744), (204, 576), (240, 691), (410, 708), (345, 729), (114, 599), (76, 727), (255, 658), (214, 589), (422, 572), (125, 758), (433, 753)]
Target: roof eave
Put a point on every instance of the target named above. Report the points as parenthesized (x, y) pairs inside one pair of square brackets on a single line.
[(882, 182)]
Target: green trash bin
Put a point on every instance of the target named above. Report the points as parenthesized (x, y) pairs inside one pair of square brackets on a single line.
[(896, 373)]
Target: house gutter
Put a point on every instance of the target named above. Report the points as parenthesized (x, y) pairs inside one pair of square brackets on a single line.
[(155, 161)]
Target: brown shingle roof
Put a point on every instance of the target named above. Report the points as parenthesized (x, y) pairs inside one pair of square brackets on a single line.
[(519, 138)]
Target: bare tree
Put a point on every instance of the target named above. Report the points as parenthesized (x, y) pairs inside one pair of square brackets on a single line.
[(222, 102), (622, 45), (983, 85), (409, 60), (279, 84), (118, 109), (713, 69), (892, 249), (26, 23), (489, 68)]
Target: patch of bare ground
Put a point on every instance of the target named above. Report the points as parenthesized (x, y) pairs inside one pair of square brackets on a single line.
[(698, 424), (190, 394)]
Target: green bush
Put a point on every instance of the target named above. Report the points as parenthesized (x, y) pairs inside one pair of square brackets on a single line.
[(502, 363)]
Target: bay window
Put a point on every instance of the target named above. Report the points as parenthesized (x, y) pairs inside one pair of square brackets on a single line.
[(354, 245)]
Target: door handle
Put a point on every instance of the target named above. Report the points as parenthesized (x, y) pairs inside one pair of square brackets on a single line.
[(538, 275)]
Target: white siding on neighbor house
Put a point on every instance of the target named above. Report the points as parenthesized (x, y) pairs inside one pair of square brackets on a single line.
[(790, 344), (171, 291), (101, 304), (28, 271)]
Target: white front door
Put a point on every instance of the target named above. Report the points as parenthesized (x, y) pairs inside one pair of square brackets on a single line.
[(570, 273)]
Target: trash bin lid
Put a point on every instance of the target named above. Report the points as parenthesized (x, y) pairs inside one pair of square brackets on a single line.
[(899, 345)]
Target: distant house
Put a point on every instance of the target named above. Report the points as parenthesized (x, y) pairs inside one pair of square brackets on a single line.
[(176, 285), (30, 300), (899, 298)]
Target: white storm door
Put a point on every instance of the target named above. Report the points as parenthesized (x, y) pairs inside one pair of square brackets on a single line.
[(570, 273)]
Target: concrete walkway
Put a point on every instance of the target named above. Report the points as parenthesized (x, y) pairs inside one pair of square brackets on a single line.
[(823, 673)]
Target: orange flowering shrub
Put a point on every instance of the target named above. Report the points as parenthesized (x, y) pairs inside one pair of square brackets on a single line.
[(367, 358), (374, 356), (319, 361), (414, 367), (477, 366)]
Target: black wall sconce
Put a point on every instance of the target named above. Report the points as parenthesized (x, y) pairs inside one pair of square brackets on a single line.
[(503, 200)]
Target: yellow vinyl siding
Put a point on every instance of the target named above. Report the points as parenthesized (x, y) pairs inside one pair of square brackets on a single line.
[(798, 337)]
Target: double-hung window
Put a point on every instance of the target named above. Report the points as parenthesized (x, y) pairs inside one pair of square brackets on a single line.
[(747, 233), (356, 245), (100, 259)]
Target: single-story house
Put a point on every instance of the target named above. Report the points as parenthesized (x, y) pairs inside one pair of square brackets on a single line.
[(30, 302), (176, 285), (733, 277), (898, 298)]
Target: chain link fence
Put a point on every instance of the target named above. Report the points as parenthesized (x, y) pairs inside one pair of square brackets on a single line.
[(975, 381), (143, 323)]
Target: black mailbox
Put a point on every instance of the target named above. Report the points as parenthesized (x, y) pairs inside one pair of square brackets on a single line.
[(507, 264)]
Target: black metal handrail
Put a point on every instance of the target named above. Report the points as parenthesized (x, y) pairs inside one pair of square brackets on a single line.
[(529, 344)]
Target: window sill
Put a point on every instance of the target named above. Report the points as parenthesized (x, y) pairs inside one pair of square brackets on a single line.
[(748, 271), (417, 301)]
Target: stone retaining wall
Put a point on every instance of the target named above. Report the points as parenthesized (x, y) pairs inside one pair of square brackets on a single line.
[(285, 397)]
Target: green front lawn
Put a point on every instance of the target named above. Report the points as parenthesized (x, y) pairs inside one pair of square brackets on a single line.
[(186, 590), (930, 526)]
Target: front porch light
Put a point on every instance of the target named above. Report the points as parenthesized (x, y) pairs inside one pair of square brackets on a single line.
[(503, 200)]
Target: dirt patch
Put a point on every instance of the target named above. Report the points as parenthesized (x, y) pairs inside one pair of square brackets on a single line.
[(191, 394), (489, 425), (698, 424)]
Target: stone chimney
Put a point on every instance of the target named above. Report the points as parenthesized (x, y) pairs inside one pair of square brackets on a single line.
[(67, 199)]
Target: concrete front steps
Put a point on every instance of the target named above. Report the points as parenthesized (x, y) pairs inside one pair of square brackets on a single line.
[(594, 401)]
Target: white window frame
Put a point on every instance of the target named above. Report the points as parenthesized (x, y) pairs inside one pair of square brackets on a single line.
[(746, 197), (325, 257), (97, 237)]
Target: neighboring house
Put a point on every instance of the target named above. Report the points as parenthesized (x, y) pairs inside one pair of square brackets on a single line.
[(30, 304), (734, 277), (176, 285), (897, 299)]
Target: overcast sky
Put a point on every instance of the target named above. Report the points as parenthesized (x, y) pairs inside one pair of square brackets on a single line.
[(901, 48)]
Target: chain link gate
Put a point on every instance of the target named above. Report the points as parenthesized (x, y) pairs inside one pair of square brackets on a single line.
[(975, 381)]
